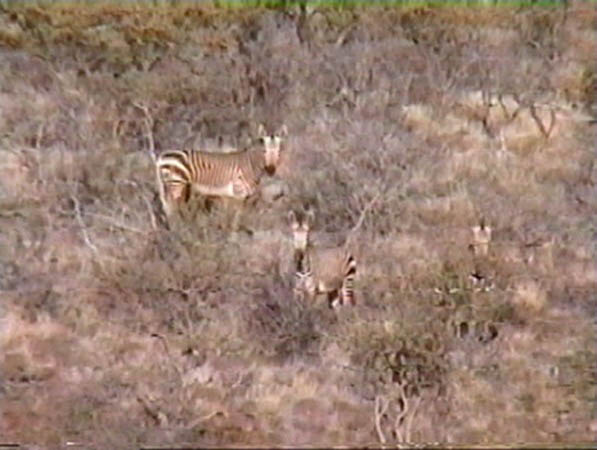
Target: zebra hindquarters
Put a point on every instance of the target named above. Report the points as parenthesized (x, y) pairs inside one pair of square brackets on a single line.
[(347, 291)]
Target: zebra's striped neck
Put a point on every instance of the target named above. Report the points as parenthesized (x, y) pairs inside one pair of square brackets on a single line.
[(257, 160), (304, 282), (302, 261)]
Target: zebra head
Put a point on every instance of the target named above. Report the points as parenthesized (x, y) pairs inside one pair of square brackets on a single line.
[(301, 225), (271, 146)]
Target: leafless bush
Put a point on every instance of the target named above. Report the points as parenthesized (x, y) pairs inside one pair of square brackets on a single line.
[(284, 327)]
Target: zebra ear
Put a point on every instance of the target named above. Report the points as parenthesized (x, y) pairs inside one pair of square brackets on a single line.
[(291, 217), (310, 216), (283, 131), (261, 131)]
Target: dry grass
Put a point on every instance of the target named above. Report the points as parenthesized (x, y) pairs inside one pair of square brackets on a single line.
[(117, 330)]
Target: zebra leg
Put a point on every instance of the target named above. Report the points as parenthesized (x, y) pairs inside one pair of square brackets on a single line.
[(206, 202), (235, 223), (239, 215), (174, 199), (194, 207), (298, 292), (252, 200), (347, 294), (224, 213), (334, 299)]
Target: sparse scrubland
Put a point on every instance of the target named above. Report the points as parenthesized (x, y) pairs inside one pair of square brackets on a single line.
[(118, 329)]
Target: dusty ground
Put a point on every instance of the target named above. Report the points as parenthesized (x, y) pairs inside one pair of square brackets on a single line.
[(118, 331)]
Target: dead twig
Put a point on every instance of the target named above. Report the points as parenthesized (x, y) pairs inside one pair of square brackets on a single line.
[(152, 218), (117, 128), (40, 134), (364, 213), (156, 415), (507, 114), (204, 418), (361, 219), (149, 122), (406, 414), (409, 420), (86, 237), (539, 122), (116, 224), (402, 412), (381, 406), (167, 350)]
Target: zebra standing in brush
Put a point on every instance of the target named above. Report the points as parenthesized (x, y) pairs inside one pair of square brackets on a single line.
[(230, 175), (331, 271)]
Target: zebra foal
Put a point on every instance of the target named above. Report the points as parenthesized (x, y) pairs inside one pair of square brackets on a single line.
[(329, 271)]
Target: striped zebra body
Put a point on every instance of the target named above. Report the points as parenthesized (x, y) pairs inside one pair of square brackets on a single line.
[(329, 271), (233, 175)]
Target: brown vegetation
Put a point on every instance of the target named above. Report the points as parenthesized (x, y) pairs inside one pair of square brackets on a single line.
[(116, 330)]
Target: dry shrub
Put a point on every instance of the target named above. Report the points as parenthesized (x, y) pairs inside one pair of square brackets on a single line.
[(283, 327), (529, 297), (15, 174)]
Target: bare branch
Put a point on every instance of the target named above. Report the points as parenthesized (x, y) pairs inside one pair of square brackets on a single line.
[(148, 122), (364, 213), (156, 415), (343, 34), (204, 418), (116, 224), (409, 420), (510, 116), (82, 225), (167, 350), (152, 216), (154, 223), (401, 414), (539, 122), (381, 406), (40, 134), (117, 128)]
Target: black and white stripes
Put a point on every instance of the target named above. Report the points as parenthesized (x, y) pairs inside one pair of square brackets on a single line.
[(330, 271), (235, 175)]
